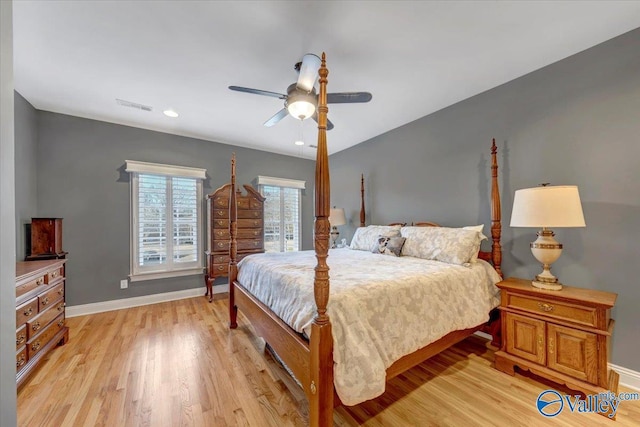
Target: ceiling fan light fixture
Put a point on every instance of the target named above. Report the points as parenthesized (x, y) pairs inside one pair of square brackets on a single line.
[(308, 72), (301, 109)]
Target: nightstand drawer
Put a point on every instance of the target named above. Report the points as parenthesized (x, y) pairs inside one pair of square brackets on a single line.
[(570, 312)]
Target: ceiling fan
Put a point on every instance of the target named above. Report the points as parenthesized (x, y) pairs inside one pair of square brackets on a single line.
[(301, 100)]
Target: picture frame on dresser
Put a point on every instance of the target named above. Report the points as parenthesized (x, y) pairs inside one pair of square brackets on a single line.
[(40, 313)]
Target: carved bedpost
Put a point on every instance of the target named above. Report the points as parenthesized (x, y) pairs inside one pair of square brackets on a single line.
[(362, 212), (320, 390), (496, 224), (233, 246)]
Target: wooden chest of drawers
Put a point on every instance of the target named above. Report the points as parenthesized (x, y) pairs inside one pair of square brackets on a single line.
[(250, 233), (40, 321), (560, 335)]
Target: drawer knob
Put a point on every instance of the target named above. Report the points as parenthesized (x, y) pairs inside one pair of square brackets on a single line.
[(61, 323), (60, 291), (20, 361), (545, 307), (35, 326), (28, 312), (35, 346), (221, 213), (220, 268), (40, 281), (220, 244), (54, 274), (60, 307), (220, 233), (255, 223), (20, 339), (45, 301), (255, 233), (220, 222)]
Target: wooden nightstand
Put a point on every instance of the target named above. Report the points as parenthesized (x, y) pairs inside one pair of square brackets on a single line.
[(560, 335)]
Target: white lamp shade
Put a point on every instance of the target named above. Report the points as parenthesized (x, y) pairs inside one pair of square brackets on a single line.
[(337, 217), (550, 206), (308, 72)]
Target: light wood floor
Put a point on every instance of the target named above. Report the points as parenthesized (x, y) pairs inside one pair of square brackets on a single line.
[(177, 364)]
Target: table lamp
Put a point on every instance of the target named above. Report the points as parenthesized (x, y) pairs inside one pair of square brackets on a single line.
[(336, 217), (547, 206)]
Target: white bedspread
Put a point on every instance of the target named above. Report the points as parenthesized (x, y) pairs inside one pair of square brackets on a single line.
[(381, 307)]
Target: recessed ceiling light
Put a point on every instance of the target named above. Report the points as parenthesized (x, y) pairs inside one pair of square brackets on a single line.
[(170, 113), (299, 142)]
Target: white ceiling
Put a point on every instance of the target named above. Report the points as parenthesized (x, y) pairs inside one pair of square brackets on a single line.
[(415, 58)]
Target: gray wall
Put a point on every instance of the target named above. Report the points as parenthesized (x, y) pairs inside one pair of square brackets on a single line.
[(574, 122), (81, 178), (7, 222), (26, 142)]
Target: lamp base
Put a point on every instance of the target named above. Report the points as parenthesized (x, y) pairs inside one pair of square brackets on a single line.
[(546, 285)]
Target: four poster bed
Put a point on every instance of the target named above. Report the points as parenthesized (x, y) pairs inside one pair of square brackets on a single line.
[(304, 341)]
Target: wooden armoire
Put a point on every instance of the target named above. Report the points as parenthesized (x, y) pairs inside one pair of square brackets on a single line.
[(250, 235)]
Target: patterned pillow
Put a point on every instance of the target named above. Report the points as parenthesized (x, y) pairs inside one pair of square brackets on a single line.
[(365, 238), (389, 245), (452, 245)]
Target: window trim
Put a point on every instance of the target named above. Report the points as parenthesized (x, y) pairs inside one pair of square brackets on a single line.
[(136, 168)]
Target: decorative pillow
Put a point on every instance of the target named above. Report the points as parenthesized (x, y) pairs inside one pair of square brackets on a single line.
[(452, 245), (478, 229), (389, 245), (365, 238)]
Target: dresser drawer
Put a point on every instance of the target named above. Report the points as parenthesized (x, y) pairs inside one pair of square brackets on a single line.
[(29, 286), (21, 336), (224, 259), (39, 322), (250, 244), (220, 202), (584, 315), (220, 213), (52, 295), (26, 311), (35, 344), (54, 275), (242, 223), (21, 357), (242, 233), (249, 214)]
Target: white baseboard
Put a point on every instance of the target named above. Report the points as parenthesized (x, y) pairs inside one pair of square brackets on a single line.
[(100, 307), (628, 377)]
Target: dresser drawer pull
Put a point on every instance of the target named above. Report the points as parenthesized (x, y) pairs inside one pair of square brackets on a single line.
[(54, 274), (20, 339), (256, 222), (61, 307), (220, 222), (220, 245), (545, 307), (61, 323), (220, 267), (28, 312), (221, 213), (40, 281), (35, 346), (256, 243), (256, 214), (60, 291), (20, 361), (255, 233), (45, 301), (35, 326), (220, 233)]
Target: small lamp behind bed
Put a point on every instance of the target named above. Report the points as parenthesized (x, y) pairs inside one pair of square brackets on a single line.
[(336, 217)]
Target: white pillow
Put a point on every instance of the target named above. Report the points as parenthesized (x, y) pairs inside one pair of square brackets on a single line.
[(451, 245), (366, 238), (477, 228)]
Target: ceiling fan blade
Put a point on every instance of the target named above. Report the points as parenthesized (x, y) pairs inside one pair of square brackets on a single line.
[(348, 97), (276, 118), (329, 124), (308, 72), (258, 92)]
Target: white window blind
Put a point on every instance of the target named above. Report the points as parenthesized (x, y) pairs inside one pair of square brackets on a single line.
[(166, 211), (282, 213)]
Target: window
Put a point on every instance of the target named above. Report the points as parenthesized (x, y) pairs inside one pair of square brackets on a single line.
[(166, 212), (282, 213)]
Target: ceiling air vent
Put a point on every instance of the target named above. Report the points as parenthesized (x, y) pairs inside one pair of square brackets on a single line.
[(130, 104)]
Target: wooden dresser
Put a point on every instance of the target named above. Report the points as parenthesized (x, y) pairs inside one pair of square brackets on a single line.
[(250, 235), (560, 335), (40, 324)]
